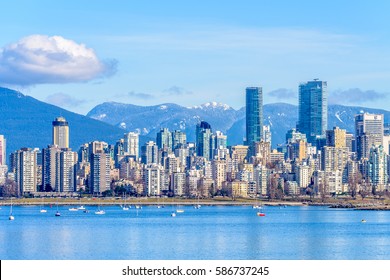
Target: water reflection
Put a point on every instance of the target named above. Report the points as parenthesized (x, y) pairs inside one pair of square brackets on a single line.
[(208, 233)]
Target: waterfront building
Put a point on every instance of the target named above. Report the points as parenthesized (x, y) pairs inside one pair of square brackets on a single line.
[(50, 168), (60, 133), (207, 187), (335, 159), (100, 172), (218, 168), (67, 170), (313, 110), (3, 154), (328, 182), (377, 168), (26, 170), (303, 175), (131, 144), (3, 173), (236, 188), (152, 179), (292, 188), (178, 183), (254, 115), (192, 181), (261, 178)]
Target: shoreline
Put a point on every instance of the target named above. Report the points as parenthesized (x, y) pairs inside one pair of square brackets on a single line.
[(357, 205)]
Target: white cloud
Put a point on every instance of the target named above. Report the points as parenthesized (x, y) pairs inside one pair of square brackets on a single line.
[(40, 59)]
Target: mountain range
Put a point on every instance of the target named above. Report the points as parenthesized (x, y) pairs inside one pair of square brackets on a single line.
[(279, 116), (27, 122)]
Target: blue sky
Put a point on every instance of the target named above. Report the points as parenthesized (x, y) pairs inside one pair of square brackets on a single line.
[(77, 54)]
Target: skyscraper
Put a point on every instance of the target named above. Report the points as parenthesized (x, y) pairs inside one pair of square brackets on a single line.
[(203, 140), (368, 132), (313, 110), (254, 115), (60, 133), (149, 153), (26, 170), (164, 139), (131, 144)]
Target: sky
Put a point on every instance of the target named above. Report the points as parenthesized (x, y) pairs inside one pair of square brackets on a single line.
[(78, 54)]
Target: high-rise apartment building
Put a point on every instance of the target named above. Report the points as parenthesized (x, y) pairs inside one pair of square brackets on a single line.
[(3, 150), (336, 138), (60, 133), (153, 179), (368, 132), (254, 115), (131, 144), (164, 139), (26, 170), (377, 168), (50, 168), (67, 166), (204, 145), (100, 172), (149, 153), (313, 110), (179, 138)]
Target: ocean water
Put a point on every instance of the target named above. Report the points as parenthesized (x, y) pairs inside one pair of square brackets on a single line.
[(208, 233)]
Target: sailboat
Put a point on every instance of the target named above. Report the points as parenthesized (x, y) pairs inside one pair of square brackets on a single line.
[(260, 212), (11, 217), (179, 210), (57, 214), (198, 206), (125, 207), (100, 211), (42, 210)]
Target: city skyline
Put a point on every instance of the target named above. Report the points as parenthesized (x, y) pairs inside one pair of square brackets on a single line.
[(192, 54)]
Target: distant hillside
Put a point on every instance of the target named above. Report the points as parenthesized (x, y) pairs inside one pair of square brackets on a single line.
[(280, 116), (27, 122)]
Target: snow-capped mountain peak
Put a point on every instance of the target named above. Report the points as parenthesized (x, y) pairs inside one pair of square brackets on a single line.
[(211, 105)]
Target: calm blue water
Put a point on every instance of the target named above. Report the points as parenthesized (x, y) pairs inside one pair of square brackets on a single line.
[(212, 232)]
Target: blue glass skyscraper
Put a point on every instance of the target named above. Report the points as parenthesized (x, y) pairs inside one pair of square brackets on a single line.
[(254, 115), (313, 110)]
